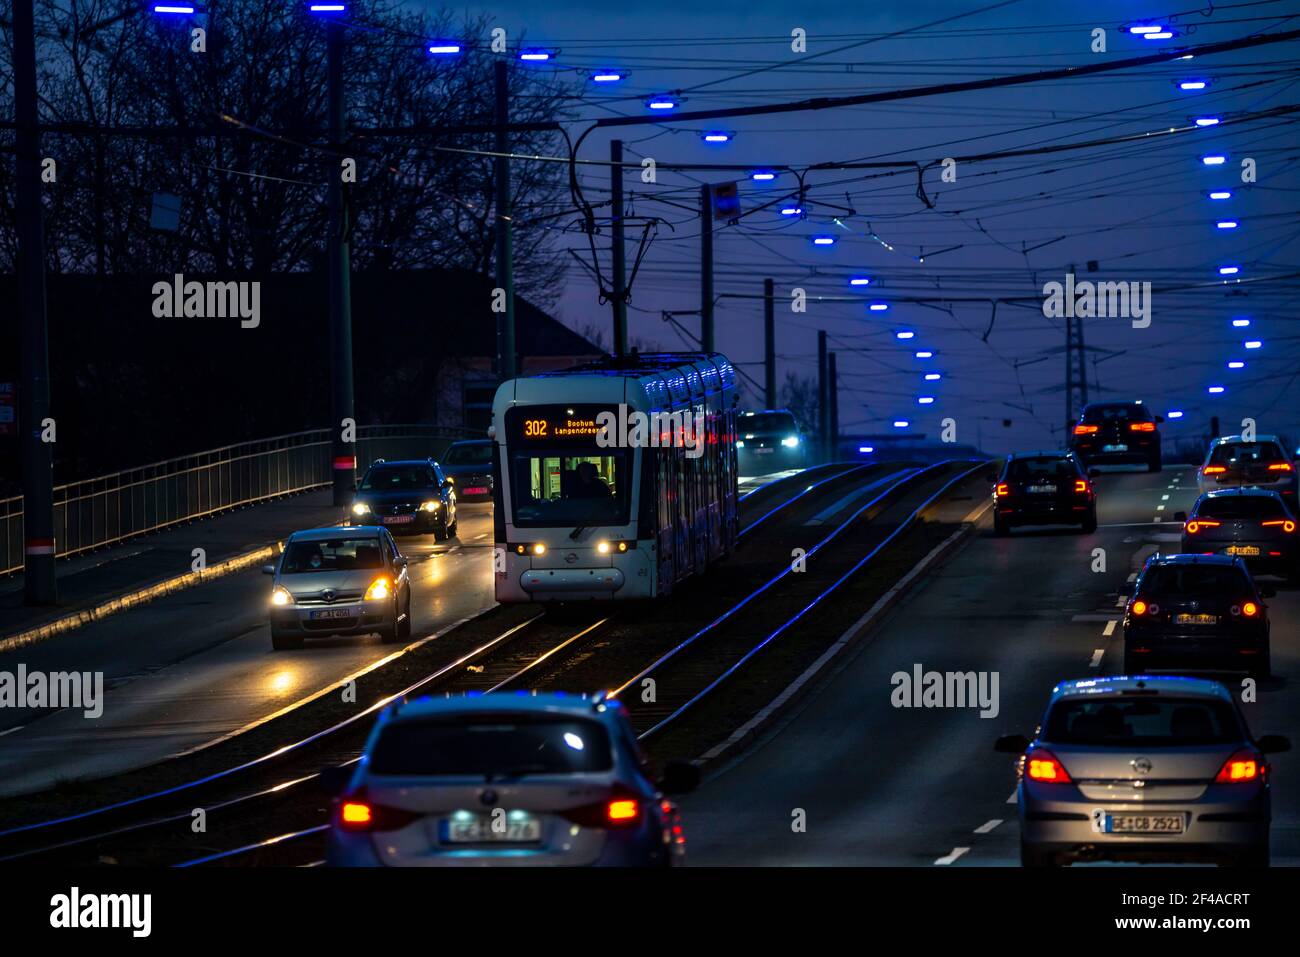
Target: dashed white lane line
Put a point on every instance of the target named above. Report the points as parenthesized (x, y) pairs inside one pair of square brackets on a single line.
[(950, 857), (1110, 627), (1096, 658), (1012, 799), (17, 727), (1133, 576), (1164, 498), (988, 825), (1121, 601), (1160, 508)]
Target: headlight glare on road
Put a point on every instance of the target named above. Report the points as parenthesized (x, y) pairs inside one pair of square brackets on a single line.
[(379, 589), (360, 508), (280, 596), (431, 506)]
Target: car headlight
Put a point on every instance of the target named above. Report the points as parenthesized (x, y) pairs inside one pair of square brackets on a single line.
[(360, 508), (280, 596), (790, 441), (379, 588), (431, 506), (740, 444)]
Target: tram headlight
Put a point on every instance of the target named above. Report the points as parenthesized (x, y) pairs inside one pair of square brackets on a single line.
[(602, 547), (539, 548)]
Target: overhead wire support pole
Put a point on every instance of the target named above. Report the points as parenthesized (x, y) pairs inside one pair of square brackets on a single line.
[(339, 256), (39, 584), (706, 268), (769, 344), (505, 271), (616, 217)]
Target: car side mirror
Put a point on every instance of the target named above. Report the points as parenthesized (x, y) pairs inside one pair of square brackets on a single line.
[(1267, 591), (1011, 744), (268, 569), (401, 561), (333, 780), (1273, 743), (1094, 473), (1180, 516), (679, 777)]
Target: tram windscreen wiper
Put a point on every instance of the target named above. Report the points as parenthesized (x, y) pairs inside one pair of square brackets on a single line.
[(573, 535)]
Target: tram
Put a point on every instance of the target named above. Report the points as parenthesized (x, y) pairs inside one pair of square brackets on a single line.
[(614, 480)]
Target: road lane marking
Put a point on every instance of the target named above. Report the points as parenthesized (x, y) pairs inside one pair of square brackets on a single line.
[(988, 825), (17, 727), (1164, 498), (1096, 658), (1133, 576), (1012, 799), (1160, 508), (1110, 627), (949, 858), (1121, 601), (1094, 616)]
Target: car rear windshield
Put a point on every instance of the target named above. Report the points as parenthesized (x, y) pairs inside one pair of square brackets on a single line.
[(398, 478), (1243, 454), (1195, 581), (1241, 506), (497, 745), (1141, 721), (768, 422), (1019, 470), (477, 453), (1096, 414), (332, 555)]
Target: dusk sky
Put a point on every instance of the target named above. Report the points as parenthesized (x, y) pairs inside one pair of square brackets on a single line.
[(1139, 209)]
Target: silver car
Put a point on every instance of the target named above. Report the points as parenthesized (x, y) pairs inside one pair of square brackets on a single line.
[(339, 581), (1232, 462), (1143, 769), (512, 780)]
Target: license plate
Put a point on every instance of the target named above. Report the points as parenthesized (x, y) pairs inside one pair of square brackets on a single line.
[(398, 519), (1189, 619), (331, 613), (1144, 824), (516, 829), (764, 451), (475, 490), (1045, 489), (1243, 549), (1114, 448)]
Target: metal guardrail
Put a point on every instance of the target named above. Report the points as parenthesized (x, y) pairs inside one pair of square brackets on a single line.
[(112, 508)]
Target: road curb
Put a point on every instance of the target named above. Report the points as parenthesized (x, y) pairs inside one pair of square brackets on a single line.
[(92, 612), (752, 729)]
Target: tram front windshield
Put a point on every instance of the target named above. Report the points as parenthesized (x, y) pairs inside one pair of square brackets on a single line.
[(553, 488)]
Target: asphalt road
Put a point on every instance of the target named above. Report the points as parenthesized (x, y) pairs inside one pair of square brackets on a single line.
[(196, 666), (879, 785)]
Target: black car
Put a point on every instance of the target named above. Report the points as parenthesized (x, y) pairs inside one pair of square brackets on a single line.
[(1117, 433), (406, 496), (1253, 524), (769, 441), (1196, 613), (469, 465), (1043, 488)]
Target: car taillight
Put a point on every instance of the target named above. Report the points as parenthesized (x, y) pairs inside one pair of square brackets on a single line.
[(1084, 429), (623, 810), (1214, 469), (1042, 766), (1249, 609), (356, 816), (1196, 524), (1280, 467), (1243, 766), (1142, 426), (1287, 525), (1002, 489), (359, 814), (1139, 607), (1080, 485)]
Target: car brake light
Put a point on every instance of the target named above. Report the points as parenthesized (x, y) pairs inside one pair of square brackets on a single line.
[(1214, 469), (1139, 607), (1243, 766), (1002, 489), (1196, 524), (355, 816), (1042, 766), (1084, 429), (1280, 467), (1080, 485), (1250, 609), (1286, 523), (1142, 426), (623, 810)]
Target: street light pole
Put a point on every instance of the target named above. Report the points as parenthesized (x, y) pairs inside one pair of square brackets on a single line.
[(616, 217), (339, 254), (706, 268), (39, 585), (505, 270)]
